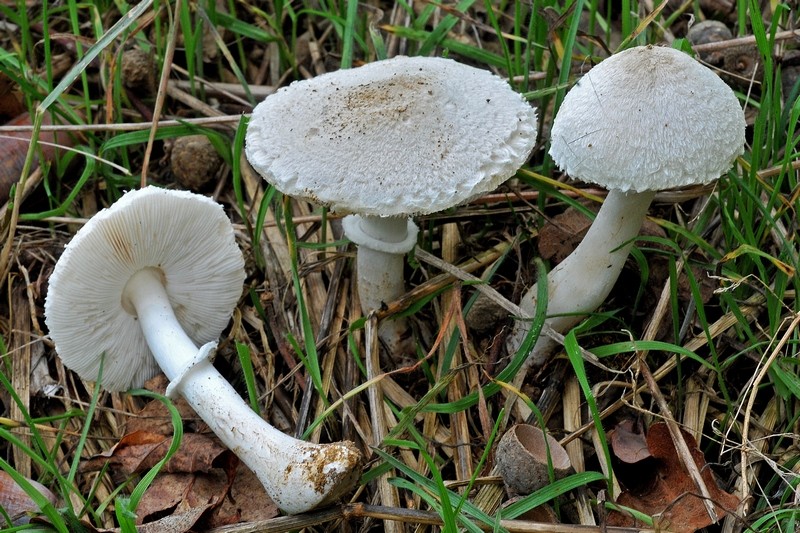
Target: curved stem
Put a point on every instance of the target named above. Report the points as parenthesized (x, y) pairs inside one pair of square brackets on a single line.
[(297, 475), (580, 283)]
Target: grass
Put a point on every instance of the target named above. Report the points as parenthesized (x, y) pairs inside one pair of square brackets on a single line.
[(709, 301)]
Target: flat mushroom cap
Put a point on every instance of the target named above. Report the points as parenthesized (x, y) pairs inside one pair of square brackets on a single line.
[(403, 136), (187, 236), (648, 118)]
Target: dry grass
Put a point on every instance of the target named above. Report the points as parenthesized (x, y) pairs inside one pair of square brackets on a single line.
[(715, 315)]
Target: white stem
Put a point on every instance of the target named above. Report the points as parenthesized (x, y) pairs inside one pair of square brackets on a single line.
[(580, 283), (297, 475), (380, 277), (382, 245)]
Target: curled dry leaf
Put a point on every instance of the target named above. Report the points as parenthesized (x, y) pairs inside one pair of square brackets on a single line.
[(628, 442), (670, 495), (522, 459), (14, 150), (16, 502), (139, 451), (562, 234)]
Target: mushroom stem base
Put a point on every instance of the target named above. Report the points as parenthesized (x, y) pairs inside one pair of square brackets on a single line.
[(297, 475)]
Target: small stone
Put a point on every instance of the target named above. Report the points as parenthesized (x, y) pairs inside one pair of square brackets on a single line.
[(710, 31), (485, 314)]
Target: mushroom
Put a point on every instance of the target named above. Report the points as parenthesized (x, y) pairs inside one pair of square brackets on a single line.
[(386, 141), (141, 286), (646, 119)]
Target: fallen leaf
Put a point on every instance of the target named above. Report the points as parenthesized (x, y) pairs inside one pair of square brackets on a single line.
[(139, 451), (230, 495), (247, 501), (14, 149), (16, 502), (177, 493), (628, 442), (562, 234), (176, 523), (670, 495), (155, 417)]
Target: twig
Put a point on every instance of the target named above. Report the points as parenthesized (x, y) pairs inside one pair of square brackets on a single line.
[(749, 40), (129, 126), (481, 286), (388, 493), (169, 52), (412, 516), (743, 506), (681, 447)]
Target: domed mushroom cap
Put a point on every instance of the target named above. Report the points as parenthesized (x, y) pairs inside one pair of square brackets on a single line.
[(185, 236), (403, 136), (648, 118)]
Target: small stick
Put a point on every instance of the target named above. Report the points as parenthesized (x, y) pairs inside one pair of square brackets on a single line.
[(412, 516), (743, 506), (743, 41), (162, 89), (681, 447)]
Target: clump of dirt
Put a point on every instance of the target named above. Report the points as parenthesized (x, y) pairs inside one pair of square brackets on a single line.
[(194, 162)]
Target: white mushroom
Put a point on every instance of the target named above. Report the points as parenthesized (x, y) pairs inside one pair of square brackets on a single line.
[(141, 286), (386, 141), (643, 120)]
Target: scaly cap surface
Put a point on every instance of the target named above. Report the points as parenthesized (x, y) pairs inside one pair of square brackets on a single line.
[(403, 136), (648, 118)]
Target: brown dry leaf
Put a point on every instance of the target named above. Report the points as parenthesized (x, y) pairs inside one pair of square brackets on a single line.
[(156, 418), (247, 501), (12, 101), (231, 495), (16, 502), (562, 234), (14, 149), (671, 497), (175, 494), (175, 523), (628, 442), (138, 451)]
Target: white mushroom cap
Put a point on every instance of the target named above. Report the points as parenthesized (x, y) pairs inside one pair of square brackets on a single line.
[(186, 236), (648, 118), (403, 136)]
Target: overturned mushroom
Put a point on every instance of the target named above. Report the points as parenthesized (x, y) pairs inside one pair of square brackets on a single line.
[(643, 120), (141, 286), (386, 141)]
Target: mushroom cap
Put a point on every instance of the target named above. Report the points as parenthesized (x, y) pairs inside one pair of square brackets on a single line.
[(398, 137), (648, 118), (187, 236)]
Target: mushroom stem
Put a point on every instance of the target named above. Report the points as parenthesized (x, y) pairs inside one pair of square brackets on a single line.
[(580, 283), (297, 475), (382, 245)]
